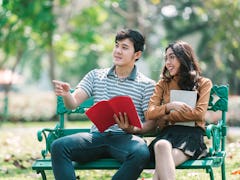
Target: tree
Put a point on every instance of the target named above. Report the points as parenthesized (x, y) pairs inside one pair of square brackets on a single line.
[(224, 24), (219, 37), (77, 35), (26, 27), (23, 26)]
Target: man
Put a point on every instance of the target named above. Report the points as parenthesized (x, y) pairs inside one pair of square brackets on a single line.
[(118, 141)]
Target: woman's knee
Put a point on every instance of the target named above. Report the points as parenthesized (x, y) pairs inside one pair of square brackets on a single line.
[(162, 145)]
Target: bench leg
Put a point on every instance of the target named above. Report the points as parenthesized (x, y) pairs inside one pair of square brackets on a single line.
[(210, 171), (223, 171), (42, 172)]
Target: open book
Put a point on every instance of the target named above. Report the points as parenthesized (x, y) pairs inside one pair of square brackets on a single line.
[(188, 97), (101, 114)]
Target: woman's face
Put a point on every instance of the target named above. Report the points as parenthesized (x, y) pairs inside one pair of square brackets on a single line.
[(172, 63)]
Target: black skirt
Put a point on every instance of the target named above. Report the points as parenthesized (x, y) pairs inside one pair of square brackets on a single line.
[(188, 139)]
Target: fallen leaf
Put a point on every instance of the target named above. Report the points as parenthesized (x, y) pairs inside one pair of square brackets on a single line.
[(18, 164), (235, 172)]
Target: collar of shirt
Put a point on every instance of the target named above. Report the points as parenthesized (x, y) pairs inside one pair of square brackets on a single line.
[(132, 76)]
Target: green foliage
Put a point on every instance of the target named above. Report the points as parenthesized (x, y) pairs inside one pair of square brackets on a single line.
[(70, 38), (26, 28), (79, 50), (217, 22), (224, 26)]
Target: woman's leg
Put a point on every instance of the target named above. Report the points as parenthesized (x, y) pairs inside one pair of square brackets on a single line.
[(179, 157), (173, 157), (164, 162), (155, 176)]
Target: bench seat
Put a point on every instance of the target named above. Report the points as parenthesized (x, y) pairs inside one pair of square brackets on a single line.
[(46, 164)]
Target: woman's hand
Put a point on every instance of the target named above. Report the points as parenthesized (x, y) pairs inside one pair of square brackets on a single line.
[(123, 123), (179, 106)]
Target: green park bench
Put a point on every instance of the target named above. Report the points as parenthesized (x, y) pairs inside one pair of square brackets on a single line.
[(216, 132)]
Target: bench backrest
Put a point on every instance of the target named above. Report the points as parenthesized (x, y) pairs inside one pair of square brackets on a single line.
[(62, 110)]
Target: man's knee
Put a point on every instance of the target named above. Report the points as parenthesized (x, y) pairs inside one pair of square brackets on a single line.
[(142, 153), (56, 147)]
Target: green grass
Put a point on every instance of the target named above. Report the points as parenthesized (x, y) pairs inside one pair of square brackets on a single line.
[(19, 147)]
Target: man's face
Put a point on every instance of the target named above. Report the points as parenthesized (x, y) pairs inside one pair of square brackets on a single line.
[(123, 53)]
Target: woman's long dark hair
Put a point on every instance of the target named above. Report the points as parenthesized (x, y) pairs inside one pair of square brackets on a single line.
[(189, 71)]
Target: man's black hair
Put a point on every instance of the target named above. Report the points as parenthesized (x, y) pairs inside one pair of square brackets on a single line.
[(134, 36)]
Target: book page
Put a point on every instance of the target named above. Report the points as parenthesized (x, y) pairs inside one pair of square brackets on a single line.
[(101, 114), (125, 104), (188, 97)]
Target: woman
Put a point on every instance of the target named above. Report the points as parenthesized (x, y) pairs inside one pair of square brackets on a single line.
[(177, 143)]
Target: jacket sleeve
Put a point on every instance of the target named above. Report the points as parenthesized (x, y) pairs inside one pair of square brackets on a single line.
[(156, 107)]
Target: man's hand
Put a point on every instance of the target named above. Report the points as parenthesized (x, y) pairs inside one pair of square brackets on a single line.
[(163, 122), (123, 123), (61, 88)]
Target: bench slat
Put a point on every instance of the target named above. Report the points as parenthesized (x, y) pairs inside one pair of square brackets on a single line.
[(46, 164)]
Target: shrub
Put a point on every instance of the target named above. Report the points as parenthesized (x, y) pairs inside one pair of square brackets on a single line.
[(34, 106)]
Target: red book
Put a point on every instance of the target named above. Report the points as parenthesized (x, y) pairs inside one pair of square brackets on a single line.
[(101, 114)]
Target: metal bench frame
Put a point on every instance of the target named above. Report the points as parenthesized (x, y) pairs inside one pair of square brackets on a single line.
[(216, 132)]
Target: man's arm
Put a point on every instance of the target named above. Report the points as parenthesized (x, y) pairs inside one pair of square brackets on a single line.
[(123, 123), (71, 100)]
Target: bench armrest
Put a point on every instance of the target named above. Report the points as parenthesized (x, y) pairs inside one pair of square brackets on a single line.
[(216, 133), (49, 136)]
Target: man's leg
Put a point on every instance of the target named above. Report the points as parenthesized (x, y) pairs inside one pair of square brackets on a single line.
[(132, 151), (78, 147)]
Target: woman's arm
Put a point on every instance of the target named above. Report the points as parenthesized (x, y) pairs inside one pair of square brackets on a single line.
[(156, 107), (198, 113)]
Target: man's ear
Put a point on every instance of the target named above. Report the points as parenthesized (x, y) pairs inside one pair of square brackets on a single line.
[(138, 54)]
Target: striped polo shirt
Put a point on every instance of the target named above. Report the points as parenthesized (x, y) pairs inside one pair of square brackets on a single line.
[(104, 84)]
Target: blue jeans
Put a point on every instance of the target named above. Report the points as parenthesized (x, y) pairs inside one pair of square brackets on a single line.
[(129, 149)]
